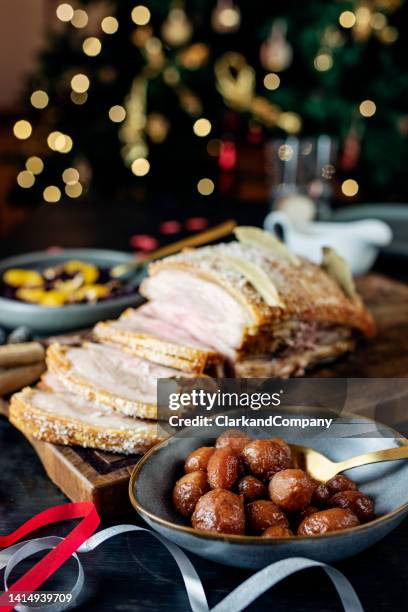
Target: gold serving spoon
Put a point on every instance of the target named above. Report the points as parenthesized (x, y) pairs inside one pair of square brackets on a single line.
[(322, 469), (214, 233)]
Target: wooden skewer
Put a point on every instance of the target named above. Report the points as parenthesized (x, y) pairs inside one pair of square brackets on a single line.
[(219, 231)]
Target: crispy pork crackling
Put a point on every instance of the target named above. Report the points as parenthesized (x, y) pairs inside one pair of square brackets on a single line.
[(65, 418)]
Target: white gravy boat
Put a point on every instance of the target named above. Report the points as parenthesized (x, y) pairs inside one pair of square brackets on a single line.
[(357, 241)]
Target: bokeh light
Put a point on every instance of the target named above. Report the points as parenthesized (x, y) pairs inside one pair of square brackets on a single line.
[(205, 186), (153, 45), (323, 61), (140, 15), (92, 47), (39, 99), (34, 164), (80, 83), (367, 108), (79, 18), (290, 122), (25, 179), (349, 187), (78, 98), (117, 113), (285, 152), (378, 21), (388, 35), (140, 167), (109, 25), (271, 81), (64, 12), (157, 127), (57, 141), (229, 17), (347, 19), (74, 190), (202, 127), (22, 129), (67, 145), (52, 194), (70, 176), (328, 171)]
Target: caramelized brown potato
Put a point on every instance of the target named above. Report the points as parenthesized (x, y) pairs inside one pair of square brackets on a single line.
[(321, 495), (326, 521), (234, 439), (262, 514), (252, 488), (223, 468), (357, 502), (266, 457), (198, 459), (221, 512), (188, 490), (340, 483), (291, 489), (277, 531)]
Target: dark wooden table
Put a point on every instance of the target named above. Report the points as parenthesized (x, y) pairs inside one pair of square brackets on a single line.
[(133, 571)]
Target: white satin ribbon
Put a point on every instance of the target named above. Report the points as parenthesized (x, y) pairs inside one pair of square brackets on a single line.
[(238, 600), (12, 556)]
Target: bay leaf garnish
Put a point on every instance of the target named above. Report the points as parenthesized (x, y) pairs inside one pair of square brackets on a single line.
[(255, 236), (338, 268), (256, 277)]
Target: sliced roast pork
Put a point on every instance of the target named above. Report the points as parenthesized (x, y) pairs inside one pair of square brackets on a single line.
[(250, 308), (309, 346), (62, 417), (109, 376), (145, 335), (244, 300)]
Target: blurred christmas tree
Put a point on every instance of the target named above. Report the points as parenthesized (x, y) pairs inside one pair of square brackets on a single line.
[(161, 94)]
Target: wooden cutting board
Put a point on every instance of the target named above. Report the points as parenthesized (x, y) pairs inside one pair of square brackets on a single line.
[(86, 474), (386, 356)]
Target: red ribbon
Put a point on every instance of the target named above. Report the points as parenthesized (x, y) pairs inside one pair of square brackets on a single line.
[(49, 564)]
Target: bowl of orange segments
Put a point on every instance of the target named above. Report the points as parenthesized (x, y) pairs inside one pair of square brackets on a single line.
[(52, 292)]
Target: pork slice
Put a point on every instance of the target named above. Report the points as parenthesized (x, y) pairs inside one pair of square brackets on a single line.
[(203, 309), (117, 372), (72, 406), (144, 320), (50, 381)]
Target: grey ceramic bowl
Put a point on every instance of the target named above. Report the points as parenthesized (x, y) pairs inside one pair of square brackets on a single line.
[(154, 476), (76, 316)]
